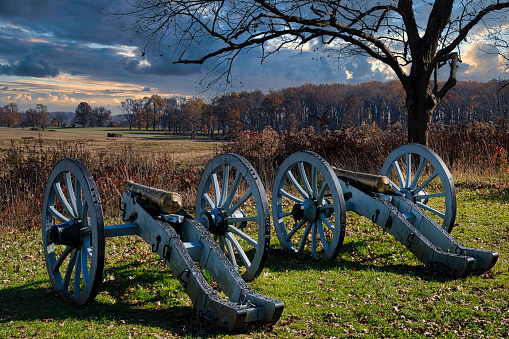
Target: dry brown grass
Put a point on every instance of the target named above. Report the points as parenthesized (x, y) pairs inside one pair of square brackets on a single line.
[(182, 151), (27, 157)]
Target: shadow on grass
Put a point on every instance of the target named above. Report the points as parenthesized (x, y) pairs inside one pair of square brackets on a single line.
[(35, 302), (282, 260)]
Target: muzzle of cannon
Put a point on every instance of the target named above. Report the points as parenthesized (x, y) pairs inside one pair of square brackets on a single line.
[(229, 239), (169, 202), (413, 199), (376, 183)]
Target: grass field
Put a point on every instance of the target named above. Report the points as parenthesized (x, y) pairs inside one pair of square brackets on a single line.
[(375, 289), (182, 149)]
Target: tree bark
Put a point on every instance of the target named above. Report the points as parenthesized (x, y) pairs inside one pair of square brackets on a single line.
[(420, 104)]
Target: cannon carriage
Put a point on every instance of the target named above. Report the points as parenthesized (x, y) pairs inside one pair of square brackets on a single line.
[(413, 198)]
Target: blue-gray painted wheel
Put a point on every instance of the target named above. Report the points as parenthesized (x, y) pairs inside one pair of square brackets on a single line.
[(232, 204), (73, 231), (419, 174), (308, 206)]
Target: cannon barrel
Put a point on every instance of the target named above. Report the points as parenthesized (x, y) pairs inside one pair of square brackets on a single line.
[(378, 183), (169, 202)]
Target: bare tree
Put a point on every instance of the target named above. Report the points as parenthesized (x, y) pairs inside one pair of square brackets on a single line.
[(503, 103), (128, 108), (413, 39), (60, 117)]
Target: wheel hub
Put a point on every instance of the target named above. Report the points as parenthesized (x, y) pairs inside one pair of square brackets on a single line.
[(307, 210), (217, 223), (68, 233), (410, 195)]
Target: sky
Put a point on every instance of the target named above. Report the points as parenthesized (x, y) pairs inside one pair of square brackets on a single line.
[(60, 53)]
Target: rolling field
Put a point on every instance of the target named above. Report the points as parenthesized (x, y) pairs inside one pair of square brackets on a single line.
[(183, 150), (374, 289)]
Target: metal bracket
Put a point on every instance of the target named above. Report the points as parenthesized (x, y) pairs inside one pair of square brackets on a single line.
[(374, 218), (388, 223), (155, 247), (167, 252), (182, 281)]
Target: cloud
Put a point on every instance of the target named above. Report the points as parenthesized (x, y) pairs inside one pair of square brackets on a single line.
[(481, 61), (146, 89), (31, 65), (24, 98)]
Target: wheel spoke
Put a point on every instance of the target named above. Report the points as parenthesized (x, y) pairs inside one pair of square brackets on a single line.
[(242, 254), (305, 179), (77, 273), (61, 258), (418, 173), (70, 193), (313, 240), (289, 196), (84, 215), (327, 222), (408, 169), (209, 200), (314, 181), (433, 176), (296, 184), (304, 237), (295, 229), (432, 210), (322, 191), (239, 203), (221, 244), (215, 185), (235, 187), (243, 235), (231, 253), (231, 220), (86, 244), (322, 235), (68, 271), (395, 164), (77, 193), (396, 187), (63, 200), (84, 264), (57, 214), (428, 196), (284, 214), (224, 188)]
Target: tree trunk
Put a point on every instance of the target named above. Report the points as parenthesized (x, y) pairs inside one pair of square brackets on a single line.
[(420, 104)]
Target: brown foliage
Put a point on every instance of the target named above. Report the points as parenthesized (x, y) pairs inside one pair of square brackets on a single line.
[(25, 167), (473, 149)]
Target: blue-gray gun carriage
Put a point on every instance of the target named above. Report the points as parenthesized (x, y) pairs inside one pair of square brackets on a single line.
[(229, 237), (413, 199)]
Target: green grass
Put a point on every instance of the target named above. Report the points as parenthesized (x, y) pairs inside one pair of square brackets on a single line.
[(375, 289)]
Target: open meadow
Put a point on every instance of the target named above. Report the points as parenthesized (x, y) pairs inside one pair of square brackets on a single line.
[(376, 288)]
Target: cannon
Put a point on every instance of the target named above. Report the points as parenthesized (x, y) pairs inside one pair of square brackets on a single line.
[(229, 238), (413, 199)]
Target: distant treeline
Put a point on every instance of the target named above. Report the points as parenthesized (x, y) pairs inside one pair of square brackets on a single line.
[(324, 106)]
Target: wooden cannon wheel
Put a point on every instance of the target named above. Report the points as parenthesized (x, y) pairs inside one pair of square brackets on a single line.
[(420, 175), (307, 200), (73, 231), (232, 203)]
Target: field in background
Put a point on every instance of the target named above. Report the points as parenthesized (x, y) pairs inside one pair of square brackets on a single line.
[(376, 288)]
